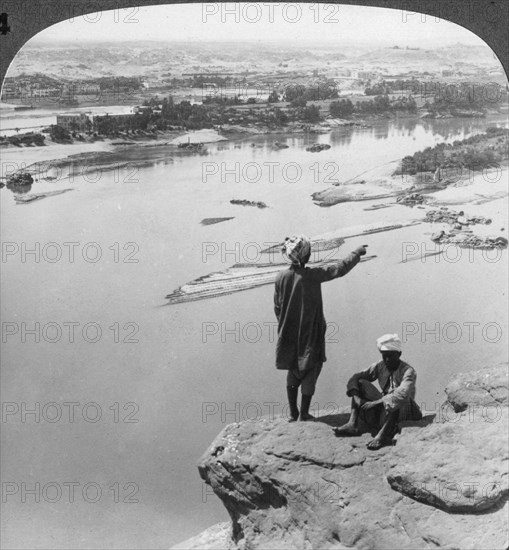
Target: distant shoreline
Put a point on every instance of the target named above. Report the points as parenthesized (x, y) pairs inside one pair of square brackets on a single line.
[(236, 132)]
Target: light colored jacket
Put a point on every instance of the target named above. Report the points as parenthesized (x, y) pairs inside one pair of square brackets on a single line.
[(398, 387)]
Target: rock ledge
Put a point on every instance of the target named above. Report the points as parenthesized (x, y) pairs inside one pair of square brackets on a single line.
[(296, 486)]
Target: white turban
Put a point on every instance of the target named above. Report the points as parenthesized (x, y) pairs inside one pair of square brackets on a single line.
[(389, 342), (296, 248)]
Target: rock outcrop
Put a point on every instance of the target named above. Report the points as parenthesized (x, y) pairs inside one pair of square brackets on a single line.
[(446, 215), (296, 486), (485, 387), (217, 537), (466, 239)]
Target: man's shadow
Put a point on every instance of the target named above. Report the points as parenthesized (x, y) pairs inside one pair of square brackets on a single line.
[(337, 420)]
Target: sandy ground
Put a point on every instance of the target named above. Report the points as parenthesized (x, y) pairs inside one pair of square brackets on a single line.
[(478, 188), (483, 194), (376, 183), (19, 158), (14, 159), (200, 136)]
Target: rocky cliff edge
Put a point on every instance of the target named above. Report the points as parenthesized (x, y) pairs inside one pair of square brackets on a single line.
[(296, 486)]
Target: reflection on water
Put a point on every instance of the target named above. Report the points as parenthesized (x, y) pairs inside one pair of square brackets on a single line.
[(342, 136), (174, 370)]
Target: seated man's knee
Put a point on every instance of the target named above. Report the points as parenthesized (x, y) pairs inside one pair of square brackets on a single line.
[(363, 384), (367, 390)]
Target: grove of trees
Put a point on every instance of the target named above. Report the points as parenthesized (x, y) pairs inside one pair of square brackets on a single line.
[(475, 152)]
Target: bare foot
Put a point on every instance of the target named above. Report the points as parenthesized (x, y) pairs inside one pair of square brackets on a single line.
[(376, 444), (348, 430)]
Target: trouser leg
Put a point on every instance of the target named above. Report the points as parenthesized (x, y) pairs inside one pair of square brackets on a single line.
[(292, 392), (368, 391), (373, 417), (308, 390), (309, 380), (389, 426), (304, 408), (354, 414)]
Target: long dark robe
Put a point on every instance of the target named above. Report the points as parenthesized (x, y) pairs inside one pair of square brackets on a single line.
[(299, 310)]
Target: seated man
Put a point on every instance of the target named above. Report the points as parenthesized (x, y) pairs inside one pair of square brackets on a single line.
[(382, 411)]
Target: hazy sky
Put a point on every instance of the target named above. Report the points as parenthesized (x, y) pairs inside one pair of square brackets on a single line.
[(289, 23)]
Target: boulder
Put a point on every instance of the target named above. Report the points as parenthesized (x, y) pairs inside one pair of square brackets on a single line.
[(484, 387), (474, 481), (217, 537), (317, 147)]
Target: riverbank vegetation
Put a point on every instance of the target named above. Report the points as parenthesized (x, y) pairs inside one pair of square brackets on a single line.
[(474, 153), (20, 140), (277, 111)]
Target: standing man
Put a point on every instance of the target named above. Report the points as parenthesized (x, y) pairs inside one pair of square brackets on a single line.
[(301, 324), (382, 411)]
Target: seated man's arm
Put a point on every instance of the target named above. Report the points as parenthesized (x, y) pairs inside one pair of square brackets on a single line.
[(406, 390), (352, 388)]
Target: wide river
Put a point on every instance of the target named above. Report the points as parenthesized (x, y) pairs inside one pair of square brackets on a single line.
[(131, 392)]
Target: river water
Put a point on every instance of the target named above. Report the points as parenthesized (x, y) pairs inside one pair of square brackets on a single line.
[(166, 379)]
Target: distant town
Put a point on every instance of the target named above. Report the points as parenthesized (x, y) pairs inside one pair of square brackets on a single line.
[(42, 90), (99, 73), (178, 87)]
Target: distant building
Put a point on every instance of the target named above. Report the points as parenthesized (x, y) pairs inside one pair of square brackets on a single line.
[(141, 108), (92, 90), (367, 75), (46, 92), (209, 89), (400, 76), (152, 83), (9, 91)]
